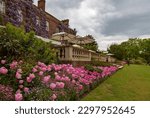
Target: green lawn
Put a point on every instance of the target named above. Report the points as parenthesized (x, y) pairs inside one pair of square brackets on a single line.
[(130, 83)]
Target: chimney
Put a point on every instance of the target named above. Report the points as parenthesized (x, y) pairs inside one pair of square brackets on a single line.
[(66, 22), (41, 4)]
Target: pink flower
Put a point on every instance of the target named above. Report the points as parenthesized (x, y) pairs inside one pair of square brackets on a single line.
[(20, 62), (49, 68), (26, 90), (13, 65), (43, 69), (80, 87), (46, 79), (73, 81), (34, 70), (53, 97), (57, 77), (40, 73), (18, 75), (19, 70), (21, 81), (32, 76), (18, 96), (29, 79), (3, 70), (20, 86), (3, 61), (18, 91), (60, 85), (52, 86)]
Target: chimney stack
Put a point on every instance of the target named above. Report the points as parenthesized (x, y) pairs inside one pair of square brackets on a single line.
[(41, 4)]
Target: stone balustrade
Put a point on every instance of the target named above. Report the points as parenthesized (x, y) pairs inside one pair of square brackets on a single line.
[(73, 53)]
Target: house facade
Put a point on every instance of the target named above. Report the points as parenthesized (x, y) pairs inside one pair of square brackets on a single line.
[(35, 18)]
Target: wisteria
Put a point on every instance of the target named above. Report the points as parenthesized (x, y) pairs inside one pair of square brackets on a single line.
[(23, 12)]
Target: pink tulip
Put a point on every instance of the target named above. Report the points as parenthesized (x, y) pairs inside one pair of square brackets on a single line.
[(52, 86), (3, 70), (18, 97)]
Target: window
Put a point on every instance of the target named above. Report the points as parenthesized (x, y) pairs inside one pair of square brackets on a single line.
[(37, 20), (47, 25), (20, 15), (2, 7)]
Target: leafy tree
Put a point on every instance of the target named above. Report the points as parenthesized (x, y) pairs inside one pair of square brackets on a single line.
[(126, 50), (145, 50), (91, 46)]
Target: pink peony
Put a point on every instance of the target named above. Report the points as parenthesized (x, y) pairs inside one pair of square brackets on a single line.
[(43, 69), (19, 70), (46, 79), (40, 73), (26, 90), (52, 86), (21, 81), (32, 76), (13, 65), (3, 70), (3, 61), (60, 85), (20, 62), (29, 79), (18, 75), (53, 97), (80, 87), (73, 81), (34, 70), (18, 97), (20, 86)]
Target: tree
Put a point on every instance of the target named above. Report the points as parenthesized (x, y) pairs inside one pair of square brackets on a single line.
[(145, 50), (91, 46), (126, 50)]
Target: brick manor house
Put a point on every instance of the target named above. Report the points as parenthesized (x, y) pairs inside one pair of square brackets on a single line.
[(32, 17), (35, 18)]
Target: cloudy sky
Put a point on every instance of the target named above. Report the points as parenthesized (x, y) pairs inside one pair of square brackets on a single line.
[(109, 21)]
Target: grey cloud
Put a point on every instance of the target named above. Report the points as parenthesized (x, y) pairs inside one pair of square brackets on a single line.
[(134, 25)]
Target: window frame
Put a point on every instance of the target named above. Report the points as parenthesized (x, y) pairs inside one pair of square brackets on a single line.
[(47, 26), (2, 7)]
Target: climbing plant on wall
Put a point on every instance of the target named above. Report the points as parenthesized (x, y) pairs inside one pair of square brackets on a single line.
[(16, 10)]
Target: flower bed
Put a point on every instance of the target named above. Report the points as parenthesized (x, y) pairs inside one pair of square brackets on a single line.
[(48, 82)]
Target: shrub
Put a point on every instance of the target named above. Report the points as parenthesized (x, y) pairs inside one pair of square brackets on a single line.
[(16, 44), (99, 63), (92, 68)]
